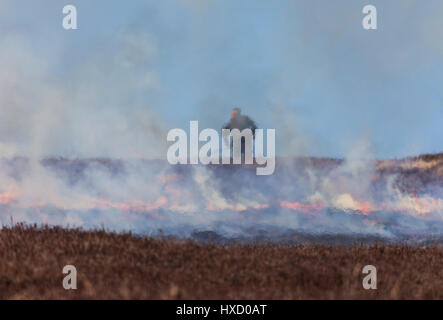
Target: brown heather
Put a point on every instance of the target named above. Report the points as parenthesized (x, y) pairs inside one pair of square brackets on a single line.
[(123, 266)]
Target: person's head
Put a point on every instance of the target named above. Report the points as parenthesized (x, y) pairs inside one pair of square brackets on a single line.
[(235, 112)]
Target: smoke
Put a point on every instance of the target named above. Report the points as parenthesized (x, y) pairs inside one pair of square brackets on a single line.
[(76, 129), (93, 112), (306, 196)]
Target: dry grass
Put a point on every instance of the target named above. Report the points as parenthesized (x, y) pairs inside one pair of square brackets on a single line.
[(121, 266)]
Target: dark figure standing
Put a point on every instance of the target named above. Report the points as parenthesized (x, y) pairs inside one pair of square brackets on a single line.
[(240, 122)]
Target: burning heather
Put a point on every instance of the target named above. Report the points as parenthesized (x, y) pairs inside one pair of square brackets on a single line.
[(306, 200)]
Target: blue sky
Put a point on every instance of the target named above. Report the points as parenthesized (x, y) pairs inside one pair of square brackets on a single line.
[(134, 70)]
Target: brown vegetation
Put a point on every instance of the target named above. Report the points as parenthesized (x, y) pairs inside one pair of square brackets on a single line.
[(123, 266)]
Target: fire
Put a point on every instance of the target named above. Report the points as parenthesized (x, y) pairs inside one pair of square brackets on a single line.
[(347, 202), (7, 198), (174, 200), (260, 206), (238, 207), (343, 202), (415, 205), (303, 207), (135, 206), (168, 178), (366, 208)]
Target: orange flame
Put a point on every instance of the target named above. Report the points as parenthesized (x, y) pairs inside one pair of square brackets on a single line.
[(7, 198)]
